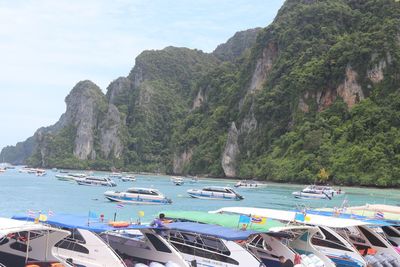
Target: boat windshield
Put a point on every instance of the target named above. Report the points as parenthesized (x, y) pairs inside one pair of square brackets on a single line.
[(216, 189), (143, 192), (200, 241)]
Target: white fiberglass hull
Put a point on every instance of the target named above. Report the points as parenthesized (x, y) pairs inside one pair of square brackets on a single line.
[(200, 194), (303, 195), (136, 199)]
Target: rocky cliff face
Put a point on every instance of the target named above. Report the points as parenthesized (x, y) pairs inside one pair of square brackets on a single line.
[(231, 152), (237, 45), (280, 103)]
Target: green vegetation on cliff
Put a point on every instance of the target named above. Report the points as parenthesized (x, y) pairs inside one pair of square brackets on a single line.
[(316, 96)]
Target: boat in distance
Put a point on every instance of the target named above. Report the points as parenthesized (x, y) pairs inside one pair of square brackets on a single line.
[(215, 192), (135, 195), (177, 180), (96, 181), (317, 192), (249, 184), (128, 178)]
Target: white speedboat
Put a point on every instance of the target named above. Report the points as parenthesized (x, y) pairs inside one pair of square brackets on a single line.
[(249, 184), (40, 172), (144, 245), (23, 243), (342, 238), (317, 192), (116, 175), (128, 178), (96, 181), (178, 180), (138, 196), (84, 246), (70, 176), (211, 245), (215, 192)]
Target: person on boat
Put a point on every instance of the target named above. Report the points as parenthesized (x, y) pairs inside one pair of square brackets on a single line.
[(285, 262), (160, 221)]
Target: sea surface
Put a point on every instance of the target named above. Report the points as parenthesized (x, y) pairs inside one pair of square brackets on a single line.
[(21, 192)]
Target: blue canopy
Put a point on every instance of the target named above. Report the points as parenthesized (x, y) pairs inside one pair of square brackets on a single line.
[(212, 230), (352, 216), (81, 222)]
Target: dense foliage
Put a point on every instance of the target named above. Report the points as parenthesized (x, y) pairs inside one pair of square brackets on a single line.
[(302, 128)]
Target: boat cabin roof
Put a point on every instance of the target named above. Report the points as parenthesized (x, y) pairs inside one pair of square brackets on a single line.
[(295, 216), (81, 222), (8, 226), (218, 189), (139, 190), (212, 230)]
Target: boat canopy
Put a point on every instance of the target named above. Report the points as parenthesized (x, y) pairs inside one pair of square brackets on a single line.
[(81, 222), (212, 230), (352, 216), (226, 220), (8, 226), (293, 216)]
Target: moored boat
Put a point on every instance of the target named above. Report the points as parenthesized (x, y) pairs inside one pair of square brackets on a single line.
[(211, 245), (177, 180), (96, 181), (317, 192), (83, 247), (135, 195), (117, 175), (249, 184), (128, 178), (23, 243), (215, 192)]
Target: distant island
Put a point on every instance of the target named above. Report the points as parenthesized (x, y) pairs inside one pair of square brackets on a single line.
[(313, 96)]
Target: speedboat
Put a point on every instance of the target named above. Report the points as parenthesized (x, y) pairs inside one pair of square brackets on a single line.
[(177, 180), (96, 181), (215, 192), (346, 241), (23, 243), (95, 242), (70, 176), (40, 172), (138, 196), (128, 178), (273, 238), (83, 246), (211, 245), (317, 192), (117, 175), (249, 184)]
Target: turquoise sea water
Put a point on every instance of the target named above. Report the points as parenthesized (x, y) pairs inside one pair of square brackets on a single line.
[(21, 192)]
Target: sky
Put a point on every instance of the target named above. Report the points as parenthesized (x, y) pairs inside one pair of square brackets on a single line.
[(47, 46)]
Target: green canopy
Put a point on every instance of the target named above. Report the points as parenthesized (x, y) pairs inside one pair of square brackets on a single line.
[(226, 220)]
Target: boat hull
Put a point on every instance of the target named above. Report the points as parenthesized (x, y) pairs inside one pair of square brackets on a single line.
[(215, 196), (95, 184), (302, 195), (136, 199)]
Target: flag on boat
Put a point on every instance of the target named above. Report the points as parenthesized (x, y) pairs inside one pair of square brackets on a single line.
[(244, 219), (120, 205), (42, 217), (379, 215), (258, 220), (31, 213), (300, 217)]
